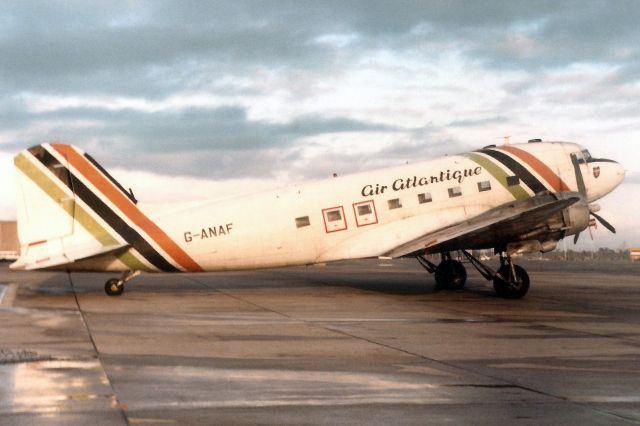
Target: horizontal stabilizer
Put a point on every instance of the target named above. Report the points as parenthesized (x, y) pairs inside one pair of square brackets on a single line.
[(30, 262)]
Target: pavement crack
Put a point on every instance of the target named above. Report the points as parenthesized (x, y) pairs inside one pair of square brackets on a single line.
[(115, 403)]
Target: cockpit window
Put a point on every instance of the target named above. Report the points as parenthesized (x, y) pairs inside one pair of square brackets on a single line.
[(583, 156)]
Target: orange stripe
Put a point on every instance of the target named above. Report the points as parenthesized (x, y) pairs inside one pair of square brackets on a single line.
[(543, 170), (127, 207)]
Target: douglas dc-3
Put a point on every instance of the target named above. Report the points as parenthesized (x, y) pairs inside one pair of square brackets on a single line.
[(74, 216)]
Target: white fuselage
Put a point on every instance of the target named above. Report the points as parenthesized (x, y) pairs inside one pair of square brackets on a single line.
[(357, 216)]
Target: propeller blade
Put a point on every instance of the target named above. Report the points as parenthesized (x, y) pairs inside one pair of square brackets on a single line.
[(604, 222), (575, 238)]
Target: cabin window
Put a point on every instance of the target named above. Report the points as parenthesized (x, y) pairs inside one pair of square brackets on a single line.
[(484, 185), (365, 212), (364, 209), (394, 204), (513, 180), (303, 221), (334, 216), (424, 198), (334, 219), (455, 192)]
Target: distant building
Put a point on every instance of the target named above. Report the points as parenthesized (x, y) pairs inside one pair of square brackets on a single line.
[(634, 254), (9, 245)]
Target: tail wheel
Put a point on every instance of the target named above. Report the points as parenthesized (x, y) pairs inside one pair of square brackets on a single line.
[(114, 287), (511, 287), (451, 274)]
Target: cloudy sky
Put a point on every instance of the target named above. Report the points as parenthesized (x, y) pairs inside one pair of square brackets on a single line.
[(187, 100)]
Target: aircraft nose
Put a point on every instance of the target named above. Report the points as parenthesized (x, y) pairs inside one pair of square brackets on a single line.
[(618, 173)]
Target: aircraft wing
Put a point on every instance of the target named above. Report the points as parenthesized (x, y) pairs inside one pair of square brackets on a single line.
[(49, 257), (498, 225)]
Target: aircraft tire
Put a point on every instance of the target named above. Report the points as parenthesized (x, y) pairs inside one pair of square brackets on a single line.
[(451, 274), (508, 290), (113, 287)]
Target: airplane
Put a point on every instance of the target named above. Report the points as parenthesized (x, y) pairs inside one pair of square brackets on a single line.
[(514, 198)]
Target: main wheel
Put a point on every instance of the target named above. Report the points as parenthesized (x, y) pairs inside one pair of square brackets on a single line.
[(514, 287), (114, 287), (451, 274)]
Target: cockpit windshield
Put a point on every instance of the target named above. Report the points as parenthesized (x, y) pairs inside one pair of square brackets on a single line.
[(583, 156)]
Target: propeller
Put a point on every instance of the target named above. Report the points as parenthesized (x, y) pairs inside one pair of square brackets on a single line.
[(604, 222), (593, 208)]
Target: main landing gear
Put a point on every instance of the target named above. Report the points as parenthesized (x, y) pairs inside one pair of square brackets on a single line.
[(450, 273), (115, 286), (510, 281)]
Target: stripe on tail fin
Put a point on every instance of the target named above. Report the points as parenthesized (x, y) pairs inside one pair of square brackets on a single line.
[(101, 207)]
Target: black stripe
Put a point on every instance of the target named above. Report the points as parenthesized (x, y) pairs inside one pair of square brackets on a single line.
[(54, 166), (111, 178), (579, 180), (129, 234), (600, 160), (518, 169)]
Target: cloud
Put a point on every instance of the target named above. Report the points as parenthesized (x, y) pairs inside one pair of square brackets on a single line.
[(302, 89), (484, 121), (154, 48)]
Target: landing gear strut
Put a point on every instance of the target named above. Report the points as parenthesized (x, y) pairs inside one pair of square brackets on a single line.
[(450, 273), (115, 286), (510, 281)]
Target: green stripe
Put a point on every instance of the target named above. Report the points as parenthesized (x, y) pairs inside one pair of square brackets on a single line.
[(500, 175), (132, 262), (79, 214), (52, 190)]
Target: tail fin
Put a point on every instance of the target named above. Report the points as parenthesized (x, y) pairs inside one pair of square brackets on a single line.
[(53, 228), (70, 208)]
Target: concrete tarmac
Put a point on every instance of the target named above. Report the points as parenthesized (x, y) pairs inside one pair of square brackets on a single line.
[(363, 342)]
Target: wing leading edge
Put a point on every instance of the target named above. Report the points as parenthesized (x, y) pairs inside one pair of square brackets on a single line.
[(496, 227)]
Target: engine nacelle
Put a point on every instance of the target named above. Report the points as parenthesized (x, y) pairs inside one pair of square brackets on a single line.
[(576, 216)]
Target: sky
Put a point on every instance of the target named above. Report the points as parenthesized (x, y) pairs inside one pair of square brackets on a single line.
[(186, 100)]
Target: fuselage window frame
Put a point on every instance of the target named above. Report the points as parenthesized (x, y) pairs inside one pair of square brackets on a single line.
[(334, 219), (424, 198), (394, 203), (513, 180), (455, 191), (365, 213), (484, 185), (302, 221)]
